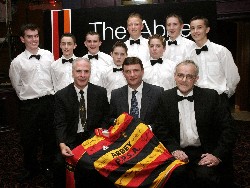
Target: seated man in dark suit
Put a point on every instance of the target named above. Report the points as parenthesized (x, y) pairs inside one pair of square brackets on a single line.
[(195, 126), (137, 98), (73, 125)]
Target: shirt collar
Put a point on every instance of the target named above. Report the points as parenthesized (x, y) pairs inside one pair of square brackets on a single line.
[(139, 89), (28, 54), (73, 56), (78, 90), (180, 94)]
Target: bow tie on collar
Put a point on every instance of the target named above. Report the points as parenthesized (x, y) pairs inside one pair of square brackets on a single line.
[(189, 98), (135, 41), (153, 62), (93, 56), (116, 69), (204, 48), (35, 56), (67, 60), (172, 42)]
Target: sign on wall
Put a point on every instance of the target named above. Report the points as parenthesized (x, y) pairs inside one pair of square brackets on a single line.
[(110, 22)]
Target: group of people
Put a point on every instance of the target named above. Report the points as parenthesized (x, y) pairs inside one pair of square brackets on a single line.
[(178, 87)]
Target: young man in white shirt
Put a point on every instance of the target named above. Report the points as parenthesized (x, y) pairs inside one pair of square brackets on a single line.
[(137, 45), (61, 69)]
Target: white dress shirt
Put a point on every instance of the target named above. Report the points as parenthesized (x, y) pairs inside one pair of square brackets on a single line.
[(188, 129), (138, 97), (98, 67), (112, 80), (85, 90), (139, 50), (217, 69), (31, 78), (61, 73), (179, 52), (160, 74)]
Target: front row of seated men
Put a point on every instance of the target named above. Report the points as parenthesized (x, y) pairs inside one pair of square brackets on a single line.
[(190, 121)]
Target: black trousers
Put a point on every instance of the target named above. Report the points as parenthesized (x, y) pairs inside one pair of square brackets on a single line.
[(37, 132)]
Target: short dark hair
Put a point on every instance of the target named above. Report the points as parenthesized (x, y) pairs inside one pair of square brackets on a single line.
[(157, 36), (206, 22), (120, 44), (176, 16), (28, 26), (132, 61), (93, 33), (135, 14), (69, 35)]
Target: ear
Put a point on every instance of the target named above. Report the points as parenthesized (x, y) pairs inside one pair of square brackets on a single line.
[(22, 39), (75, 46), (207, 30)]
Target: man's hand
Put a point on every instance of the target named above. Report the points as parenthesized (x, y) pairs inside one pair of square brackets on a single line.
[(65, 150), (180, 155), (209, 160)]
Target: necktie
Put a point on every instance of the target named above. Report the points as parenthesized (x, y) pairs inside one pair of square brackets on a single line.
[(153, 62), (172, 42), (93, 56), (67, 60), (134, 110), (35, 56), (135, 41), (189, 98), (204, 48), (116, 69), (82, 109)]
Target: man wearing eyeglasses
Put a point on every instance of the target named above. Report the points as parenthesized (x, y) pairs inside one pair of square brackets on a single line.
[(196, 128)]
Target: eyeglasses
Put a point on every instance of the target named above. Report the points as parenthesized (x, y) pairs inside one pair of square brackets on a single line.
[(187, 76)]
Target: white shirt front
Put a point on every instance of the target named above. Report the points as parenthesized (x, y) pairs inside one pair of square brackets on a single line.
[(217, 69), (85, 90), (160, 74), (139, 50), (138, 97), (31, 78), (188, 129), (61, 73), (98, 67), (179, 52), (112, 80)]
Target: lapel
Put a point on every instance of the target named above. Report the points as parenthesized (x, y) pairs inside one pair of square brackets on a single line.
[(91, 100), (145, 100), (198, 106), (174, 111), (74, 99), (124, 99)]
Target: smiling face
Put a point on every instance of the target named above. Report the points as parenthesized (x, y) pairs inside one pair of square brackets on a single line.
[(93, 43), (81, 70), (199, 31), (67, 46), (174, 27), (134, 27), (185, 77), (31, 40), (133, 74)]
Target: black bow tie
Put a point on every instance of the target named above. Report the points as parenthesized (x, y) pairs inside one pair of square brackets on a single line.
[(116, 69), (93, 56), (67, 60), (189, 98), (172, 42), (204, 48), (135, 41), (153, 62), (35, 56)]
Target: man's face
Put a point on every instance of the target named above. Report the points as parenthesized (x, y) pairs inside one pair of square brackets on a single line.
[(199, 31), (119, 54), (133, 75), (134, 27), (173, 27), (30, 39), (67, 45), (156, 48), (93, 43), (81, 73), (185, 78)]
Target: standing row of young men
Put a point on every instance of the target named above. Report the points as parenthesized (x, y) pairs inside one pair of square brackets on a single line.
[(30, 76)]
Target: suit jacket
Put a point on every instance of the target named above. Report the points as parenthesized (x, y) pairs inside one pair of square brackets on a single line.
[(149, 102), (214, 122), (67, 111)]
